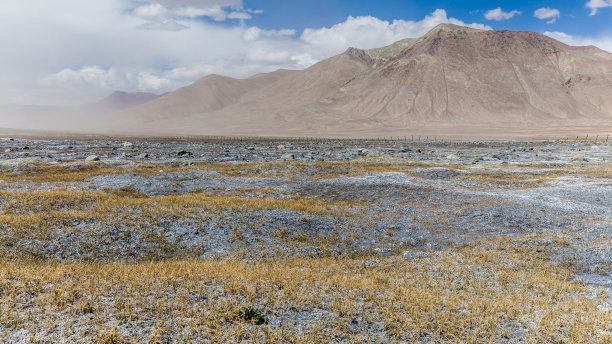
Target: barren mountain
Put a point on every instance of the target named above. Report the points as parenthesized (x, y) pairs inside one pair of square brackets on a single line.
[(213, 92), (451, 78)]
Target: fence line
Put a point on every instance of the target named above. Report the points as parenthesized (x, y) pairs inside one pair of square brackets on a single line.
[(314, 139)]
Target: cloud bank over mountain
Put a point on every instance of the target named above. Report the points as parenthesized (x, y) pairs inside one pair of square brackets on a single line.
[(69, 51)]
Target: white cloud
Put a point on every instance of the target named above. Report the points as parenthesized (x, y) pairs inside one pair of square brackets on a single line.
[(499, 14), (152, 11), (547, 13), (239, 15), (86, 76), (595, 5), (370, 32), (215, 12), (158, 13), (254, 33), (163, 25), (167, 14), (604, 43), (203, 3), (148, 82)]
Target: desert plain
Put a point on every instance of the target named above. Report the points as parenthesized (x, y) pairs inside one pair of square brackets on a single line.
[(215, 240)]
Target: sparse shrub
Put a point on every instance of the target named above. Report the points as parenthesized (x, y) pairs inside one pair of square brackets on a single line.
[(88, 308), (110, 338), (252, 315)]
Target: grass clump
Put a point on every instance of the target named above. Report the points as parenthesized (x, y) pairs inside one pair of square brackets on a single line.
[(110, 338), (252, 315)]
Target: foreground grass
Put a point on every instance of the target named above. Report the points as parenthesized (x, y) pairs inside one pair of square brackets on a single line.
[(489, 292), (463, 295), (36, 214), (497, 175)]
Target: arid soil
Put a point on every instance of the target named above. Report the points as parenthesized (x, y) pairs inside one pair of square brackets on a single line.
[(305, 241)]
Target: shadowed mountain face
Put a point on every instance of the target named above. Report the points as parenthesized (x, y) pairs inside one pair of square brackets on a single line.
[(453, 79)]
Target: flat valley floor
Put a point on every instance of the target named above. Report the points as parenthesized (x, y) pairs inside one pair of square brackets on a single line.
[(334, 241)]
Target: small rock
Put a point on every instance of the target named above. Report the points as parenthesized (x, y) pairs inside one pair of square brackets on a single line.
[(143, 156), (280, 147), (184, 153), (452, 157), (128, 145), (287, 156), (8, 150), (92, 158)]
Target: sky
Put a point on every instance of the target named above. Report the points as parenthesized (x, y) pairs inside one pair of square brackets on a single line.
[(68, 52)]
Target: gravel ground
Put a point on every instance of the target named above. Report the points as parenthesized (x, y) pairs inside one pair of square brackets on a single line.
[(385, 198)]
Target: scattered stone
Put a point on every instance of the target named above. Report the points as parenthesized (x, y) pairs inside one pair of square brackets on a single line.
[(287, 156), (280, 147), (143, 156), (92, 158), (128, 145), (184, 153)]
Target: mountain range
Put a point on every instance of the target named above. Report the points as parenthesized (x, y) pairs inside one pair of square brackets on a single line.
[(453, 80)]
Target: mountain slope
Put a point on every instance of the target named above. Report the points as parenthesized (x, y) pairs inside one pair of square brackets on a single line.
[(208, 94), (451, 77)]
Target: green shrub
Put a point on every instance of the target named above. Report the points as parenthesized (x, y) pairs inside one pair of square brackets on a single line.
[(252, 315)]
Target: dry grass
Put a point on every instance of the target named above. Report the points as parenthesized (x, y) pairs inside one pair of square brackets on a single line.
[(466, 295), (515, 176), (489, 292), (37, 214)]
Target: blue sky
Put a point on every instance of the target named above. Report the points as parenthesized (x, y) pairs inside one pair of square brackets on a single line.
[(575, 18), (76, 51)]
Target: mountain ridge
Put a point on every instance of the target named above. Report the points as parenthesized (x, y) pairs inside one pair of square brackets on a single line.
[(450, 76), (453, 79)]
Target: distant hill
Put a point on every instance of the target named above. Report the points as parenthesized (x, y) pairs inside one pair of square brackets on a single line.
[(122, 100)]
